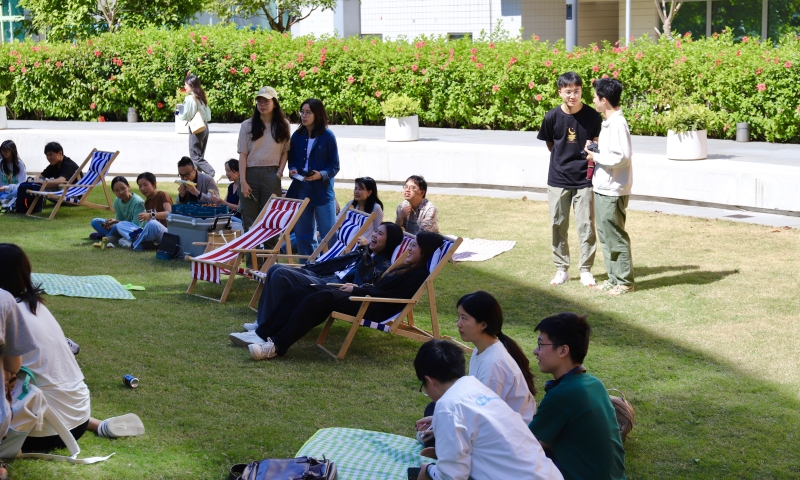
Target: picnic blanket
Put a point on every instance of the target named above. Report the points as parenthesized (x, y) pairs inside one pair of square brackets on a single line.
[(365, 455), (97, 286), (479, 249)]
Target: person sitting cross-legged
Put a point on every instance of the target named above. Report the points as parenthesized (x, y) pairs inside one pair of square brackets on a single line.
[(478, 436), (576, 421), (416, 213), (194, 186), (363, 265), (127, 207), (304, 308)]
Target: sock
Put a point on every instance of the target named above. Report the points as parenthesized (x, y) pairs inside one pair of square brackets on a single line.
[(102, 430)]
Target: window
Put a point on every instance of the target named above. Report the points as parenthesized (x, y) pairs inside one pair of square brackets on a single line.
[(458, 36)]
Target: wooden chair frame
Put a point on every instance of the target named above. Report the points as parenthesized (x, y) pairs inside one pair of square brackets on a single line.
[(233, 266), (272, 258), (403, 325), (60, 197)]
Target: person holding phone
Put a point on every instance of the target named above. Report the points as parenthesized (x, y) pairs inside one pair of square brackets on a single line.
[(313, 163)]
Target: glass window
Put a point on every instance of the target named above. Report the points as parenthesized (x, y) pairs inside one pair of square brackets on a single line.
[(784, 17), (691, 18), (742, 16)]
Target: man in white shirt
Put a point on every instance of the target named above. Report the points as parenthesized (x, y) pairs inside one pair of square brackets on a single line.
[(612, 182), (478, 436)]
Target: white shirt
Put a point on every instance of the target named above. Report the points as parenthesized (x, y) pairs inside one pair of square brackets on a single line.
[(15, 340), (57, 372), (496, 369), (613, 175), (479, 437), (311, 142)]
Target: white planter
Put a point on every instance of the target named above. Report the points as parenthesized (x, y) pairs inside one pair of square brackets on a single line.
[(180, 125), (403, 129), (687, 145), (3, 118)]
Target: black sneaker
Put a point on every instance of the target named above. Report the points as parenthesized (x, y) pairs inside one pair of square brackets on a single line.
[(76, 349), (95, 236)]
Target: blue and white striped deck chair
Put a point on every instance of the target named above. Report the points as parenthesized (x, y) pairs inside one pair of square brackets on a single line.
[(403, 323), (350, 225), (78, 193)]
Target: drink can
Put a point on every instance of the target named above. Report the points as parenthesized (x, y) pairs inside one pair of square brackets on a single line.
[(130, 381), (103, 242)]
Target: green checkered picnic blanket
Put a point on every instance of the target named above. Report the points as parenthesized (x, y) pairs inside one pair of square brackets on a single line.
[(97, 286), (365, 455)]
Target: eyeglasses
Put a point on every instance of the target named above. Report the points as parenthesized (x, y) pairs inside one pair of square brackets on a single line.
[(420, 389), (570, 93), (186, 175), (412, 188), (304, 113)]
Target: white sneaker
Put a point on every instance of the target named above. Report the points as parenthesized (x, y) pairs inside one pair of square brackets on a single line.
[(587, 279), (250, 327), (263, 351), (128, 425), (124, 243), (561, 278), (244, 339)]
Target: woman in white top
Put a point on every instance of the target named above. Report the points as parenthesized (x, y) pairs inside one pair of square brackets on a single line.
[(497, 361), (365, 198), (12, 171), (53, 363), (196, 102)]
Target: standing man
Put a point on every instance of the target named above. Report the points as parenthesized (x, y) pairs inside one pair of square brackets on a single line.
[(566, 129), (416, 213), (575, 420), (612, 182), (60, 170), (194, 185)]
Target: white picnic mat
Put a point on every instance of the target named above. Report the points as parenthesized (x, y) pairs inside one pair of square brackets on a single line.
[(480, 249)]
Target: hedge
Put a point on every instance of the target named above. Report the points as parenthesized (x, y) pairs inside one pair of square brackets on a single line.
[(487, 83)]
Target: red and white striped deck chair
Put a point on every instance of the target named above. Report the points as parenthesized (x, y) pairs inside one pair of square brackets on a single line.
[(403, 323), (78, 193), (350, 225), (276, 220)]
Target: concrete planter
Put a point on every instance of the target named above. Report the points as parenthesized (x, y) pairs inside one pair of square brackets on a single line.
[(403, 129), (687, 145), (3, 118), (180, 125)]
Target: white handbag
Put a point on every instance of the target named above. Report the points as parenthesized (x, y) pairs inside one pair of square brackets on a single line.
[(197, 124), (29, 411)]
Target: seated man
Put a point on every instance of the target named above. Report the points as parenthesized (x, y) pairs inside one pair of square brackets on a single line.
[(416, 213), (194, 185), (576, 420), (60, 170), (478, 436)]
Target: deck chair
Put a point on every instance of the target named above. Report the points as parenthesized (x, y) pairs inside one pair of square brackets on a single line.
[(403, 323), (276, 220), (78, 193), (350, 225)]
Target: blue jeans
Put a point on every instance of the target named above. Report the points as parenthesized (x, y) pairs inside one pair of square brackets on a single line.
[(314, 219), (152, 232), (97, 224)]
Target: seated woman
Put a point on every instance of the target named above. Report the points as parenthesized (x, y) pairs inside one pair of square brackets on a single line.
[(53, 364), (232, 198), (12, 172), (497, 361), (127, 207), (304, 308), (151, 224), (359, 266), (365, 198)]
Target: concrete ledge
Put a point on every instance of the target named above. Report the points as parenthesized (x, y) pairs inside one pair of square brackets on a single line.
[(519, 163)]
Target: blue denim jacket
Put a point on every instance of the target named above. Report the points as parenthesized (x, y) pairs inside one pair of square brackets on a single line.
[(324, 158)]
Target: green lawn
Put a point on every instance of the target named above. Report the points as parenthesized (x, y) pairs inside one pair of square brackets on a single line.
[(706, 349)]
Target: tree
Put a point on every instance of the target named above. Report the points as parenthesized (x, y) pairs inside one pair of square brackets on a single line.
[(71, 19), (280, 14), (667, 16)]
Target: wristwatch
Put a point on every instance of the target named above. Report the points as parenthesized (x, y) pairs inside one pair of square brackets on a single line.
[(152, 214)]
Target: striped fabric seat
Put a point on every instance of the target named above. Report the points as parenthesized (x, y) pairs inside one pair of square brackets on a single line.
[(353, 222), (272, 224), (92, 177)]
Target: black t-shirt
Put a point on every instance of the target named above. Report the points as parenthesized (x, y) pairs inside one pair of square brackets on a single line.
[(66, 169), (569, 134)]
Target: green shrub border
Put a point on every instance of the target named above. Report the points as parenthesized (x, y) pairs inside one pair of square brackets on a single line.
[(487, 83)]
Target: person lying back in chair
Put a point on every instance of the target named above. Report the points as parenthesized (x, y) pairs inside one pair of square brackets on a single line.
[(363, 265), (304, 308)]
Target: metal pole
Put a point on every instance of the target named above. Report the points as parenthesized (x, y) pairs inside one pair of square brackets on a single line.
[(627, 22), (571, 36)]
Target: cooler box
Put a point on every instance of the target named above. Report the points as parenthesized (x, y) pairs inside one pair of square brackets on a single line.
[(194, 229)]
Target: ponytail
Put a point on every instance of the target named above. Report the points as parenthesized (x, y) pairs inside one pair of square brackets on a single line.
[(518, 355)]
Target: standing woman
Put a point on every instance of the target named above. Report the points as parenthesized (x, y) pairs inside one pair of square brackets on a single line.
[(263, 153), (314, 158), (13, 170), (365, 198), (196, 102)]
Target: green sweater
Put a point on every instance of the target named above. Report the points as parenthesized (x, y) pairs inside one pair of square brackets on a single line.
[(130, 210)]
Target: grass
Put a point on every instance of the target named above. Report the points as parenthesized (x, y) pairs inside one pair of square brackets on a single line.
[(705, 350)]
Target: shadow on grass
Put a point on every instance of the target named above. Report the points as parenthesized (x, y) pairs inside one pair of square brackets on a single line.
[(690, 278)]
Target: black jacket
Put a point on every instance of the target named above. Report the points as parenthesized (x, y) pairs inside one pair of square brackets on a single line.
[(368, 268)]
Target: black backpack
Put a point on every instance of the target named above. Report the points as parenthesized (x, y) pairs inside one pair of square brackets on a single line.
[(25, 199)]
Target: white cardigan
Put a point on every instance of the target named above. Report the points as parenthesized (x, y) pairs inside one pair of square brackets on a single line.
[(613, 174)]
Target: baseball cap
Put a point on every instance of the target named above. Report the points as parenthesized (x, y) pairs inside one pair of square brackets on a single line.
[(267, 92)]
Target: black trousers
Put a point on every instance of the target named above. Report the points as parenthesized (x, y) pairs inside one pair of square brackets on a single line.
[(48, 444)]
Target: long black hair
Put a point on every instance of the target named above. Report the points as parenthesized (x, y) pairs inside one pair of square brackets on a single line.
[(367, 183), (279, 128), (11, 147), (394, 237), (320, 117), (17, 279), (197, 89), (483, 307), (427, 242)]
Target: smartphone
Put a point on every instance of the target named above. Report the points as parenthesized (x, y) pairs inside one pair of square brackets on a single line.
[(413, 473), (308, 174), (298, 177)]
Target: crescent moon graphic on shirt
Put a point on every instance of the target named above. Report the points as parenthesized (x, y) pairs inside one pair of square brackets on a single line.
[(571, 131), (572, 136)]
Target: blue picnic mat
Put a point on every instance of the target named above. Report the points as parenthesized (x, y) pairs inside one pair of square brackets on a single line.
[(365, 455), (96, 286)]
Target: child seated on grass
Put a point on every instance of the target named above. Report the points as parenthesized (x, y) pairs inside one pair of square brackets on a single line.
[(145, 232), (127, 207)]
